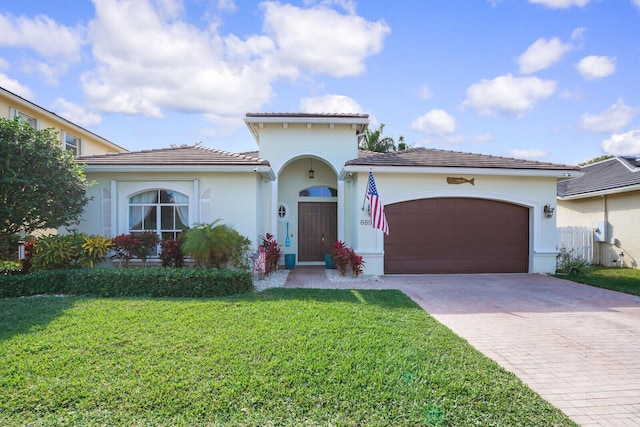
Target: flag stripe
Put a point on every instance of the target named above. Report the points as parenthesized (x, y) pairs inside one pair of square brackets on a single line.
[(378, 219)]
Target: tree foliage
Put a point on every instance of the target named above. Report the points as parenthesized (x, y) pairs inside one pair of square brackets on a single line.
[(596, 160), (40, 186), (374, 141)]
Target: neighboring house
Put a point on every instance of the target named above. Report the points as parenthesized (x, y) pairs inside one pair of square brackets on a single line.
[(72, 137), (448, 212), (605, 199)]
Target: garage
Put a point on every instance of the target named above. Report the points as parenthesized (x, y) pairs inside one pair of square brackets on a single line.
[(456, 235)]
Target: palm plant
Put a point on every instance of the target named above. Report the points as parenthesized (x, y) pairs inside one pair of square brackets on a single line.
[(215, 245), (373, 141)]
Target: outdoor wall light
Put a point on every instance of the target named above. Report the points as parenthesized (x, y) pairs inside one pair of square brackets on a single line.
[(312, 173), (548, 211)]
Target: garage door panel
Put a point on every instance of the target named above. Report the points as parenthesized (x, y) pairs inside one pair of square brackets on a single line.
[(457, 235)]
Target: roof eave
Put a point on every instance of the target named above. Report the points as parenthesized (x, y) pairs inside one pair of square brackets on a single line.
[(262, 169), (552, 173), (600, 193)]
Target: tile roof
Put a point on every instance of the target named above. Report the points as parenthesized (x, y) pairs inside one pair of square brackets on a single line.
[(431, 157), (608, 175), (309, 115), (193, 155)]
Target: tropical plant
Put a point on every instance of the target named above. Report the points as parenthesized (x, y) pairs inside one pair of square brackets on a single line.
[(41, 186), (171, 255), (569, 263), (273, 253), (148, 241), (214, 245), (373, 141), (94, 249), (58, 252), (344, 256), (29, 245), (125, 247)]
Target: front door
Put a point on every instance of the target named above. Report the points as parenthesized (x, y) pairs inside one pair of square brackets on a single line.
[(317, 229)]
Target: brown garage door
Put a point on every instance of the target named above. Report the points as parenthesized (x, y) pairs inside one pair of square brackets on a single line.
[(456, 235)]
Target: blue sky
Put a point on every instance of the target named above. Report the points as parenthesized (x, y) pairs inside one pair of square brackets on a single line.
[(548, 80)]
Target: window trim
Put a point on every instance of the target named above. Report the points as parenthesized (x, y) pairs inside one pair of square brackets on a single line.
[(78, 149)]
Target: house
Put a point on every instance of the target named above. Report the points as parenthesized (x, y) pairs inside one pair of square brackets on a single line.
[(72, 136), (448, 212), (606, 199)]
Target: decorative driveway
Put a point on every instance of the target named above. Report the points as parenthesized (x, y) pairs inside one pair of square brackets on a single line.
[(577, 346)]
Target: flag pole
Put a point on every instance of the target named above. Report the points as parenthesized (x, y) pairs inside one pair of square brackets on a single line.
[(365, 191)]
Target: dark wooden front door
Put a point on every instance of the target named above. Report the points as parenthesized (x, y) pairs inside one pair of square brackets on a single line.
[(317, 229)]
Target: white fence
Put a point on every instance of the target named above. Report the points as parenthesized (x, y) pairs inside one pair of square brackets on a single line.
[(578, 240)]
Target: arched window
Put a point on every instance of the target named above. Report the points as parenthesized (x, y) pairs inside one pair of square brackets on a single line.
[(164, 211), (319, 191)]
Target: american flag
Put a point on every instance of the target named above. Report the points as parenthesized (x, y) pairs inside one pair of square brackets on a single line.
[(378, 220)]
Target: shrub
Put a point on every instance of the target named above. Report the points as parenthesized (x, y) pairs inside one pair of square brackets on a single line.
[(57, 252), (29, 246), (94, 249), (343, 257), (125, 247), (171, 255), (569, 263), (215, 245), (273, 253), (148, 240), (10, 267), (119, 282)]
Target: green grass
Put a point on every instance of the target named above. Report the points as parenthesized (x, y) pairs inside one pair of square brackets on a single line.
[(616, 279), (284, 357)]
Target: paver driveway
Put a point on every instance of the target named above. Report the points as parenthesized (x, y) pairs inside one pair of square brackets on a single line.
[(575, 345)]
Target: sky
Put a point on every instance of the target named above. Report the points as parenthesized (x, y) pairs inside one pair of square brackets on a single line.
[(548, 80)]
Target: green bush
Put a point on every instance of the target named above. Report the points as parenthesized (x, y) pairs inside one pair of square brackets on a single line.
[(57, 252), (10, 267), (569, 263), (129, 282), (216, 245)]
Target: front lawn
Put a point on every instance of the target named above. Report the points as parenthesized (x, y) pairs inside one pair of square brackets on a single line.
[(616, 279), (284, 357)]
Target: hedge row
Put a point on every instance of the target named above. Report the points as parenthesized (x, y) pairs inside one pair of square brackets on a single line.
[(128, 282)]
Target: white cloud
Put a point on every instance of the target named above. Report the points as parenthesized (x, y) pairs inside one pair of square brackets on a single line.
[(57, 44), (147, 64), (561, 4), (75, 113), (623, 144), (507, 95), (330, 104), (596, 67), (542, 54), (530, 153), (320, 40), (227, 5), (435, 122), (425, 92), (612, 120), (637, 3), (14, 86)]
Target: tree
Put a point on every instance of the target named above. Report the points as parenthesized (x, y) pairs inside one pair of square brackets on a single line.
[(40, 186), (596, 160), (373, 141)]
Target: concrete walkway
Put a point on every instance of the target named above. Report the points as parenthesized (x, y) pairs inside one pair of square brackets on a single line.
[(575, 345)]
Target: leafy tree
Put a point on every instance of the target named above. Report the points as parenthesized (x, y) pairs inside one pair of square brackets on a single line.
[(374, 141), (596, 160), (40, 185)]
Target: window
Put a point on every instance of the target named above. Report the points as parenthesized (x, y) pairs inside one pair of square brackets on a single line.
[(27, 118), (319, 191), (72, 144), (164, 211)]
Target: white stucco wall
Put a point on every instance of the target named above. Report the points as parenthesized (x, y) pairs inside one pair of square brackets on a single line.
[(234, 199), (531, 192)]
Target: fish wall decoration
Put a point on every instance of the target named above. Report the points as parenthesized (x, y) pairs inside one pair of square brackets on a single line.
[(460, 180)]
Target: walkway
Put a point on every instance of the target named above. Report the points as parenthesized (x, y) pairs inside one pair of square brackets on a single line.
[(575, 345)]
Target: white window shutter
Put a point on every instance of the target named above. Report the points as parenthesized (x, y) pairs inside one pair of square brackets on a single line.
[(106, 212), (206, 206)]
